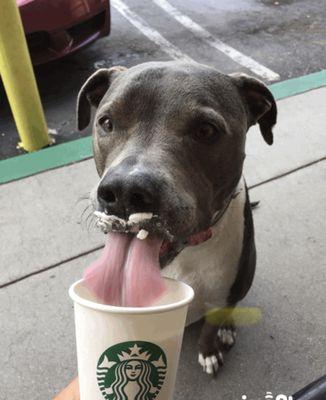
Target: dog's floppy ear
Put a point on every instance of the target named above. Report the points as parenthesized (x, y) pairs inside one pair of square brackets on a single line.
[(92, 93), (259, 102)]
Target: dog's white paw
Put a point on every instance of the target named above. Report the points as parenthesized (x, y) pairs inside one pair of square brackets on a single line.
[(226, 336), (211, 363)]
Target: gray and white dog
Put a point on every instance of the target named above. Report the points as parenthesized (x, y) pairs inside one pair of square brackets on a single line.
[(169, 138)]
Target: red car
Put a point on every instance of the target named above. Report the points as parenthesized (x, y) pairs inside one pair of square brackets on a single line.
[(55, 28)]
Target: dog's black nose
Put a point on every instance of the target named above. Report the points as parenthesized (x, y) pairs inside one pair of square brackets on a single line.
[(123, 194)]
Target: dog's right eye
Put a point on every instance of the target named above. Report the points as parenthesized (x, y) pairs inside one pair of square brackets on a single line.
[(205, 133), (106, 124)]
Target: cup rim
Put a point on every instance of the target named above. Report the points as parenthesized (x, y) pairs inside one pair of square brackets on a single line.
[(132, 310)]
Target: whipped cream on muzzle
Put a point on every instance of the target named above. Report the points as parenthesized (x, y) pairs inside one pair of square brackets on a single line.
[(137, 223)]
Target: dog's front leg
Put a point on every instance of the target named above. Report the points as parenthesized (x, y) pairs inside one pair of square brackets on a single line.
[(216, 336)]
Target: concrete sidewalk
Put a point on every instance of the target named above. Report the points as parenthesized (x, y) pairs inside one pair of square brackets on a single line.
[(47, 251)]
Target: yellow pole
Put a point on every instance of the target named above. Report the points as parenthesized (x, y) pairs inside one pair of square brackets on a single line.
[(19, 81)]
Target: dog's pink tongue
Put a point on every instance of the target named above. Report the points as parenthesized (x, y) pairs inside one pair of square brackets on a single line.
[(104, 276), (142, 283), (128, 271)]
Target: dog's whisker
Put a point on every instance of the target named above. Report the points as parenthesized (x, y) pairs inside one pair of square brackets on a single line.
[(94, 223), (91, 224), (83, 197), (83, 218), (88, 220), (85, 209)]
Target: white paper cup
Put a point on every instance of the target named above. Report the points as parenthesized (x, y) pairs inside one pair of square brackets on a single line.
[(129, 353)]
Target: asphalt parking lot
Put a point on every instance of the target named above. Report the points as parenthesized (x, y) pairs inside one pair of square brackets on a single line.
[(273, 40)]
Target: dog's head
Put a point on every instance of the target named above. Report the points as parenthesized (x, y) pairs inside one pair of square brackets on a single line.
[(169, 138)]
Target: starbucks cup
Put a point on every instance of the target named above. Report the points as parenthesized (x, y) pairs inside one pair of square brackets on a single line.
[(129, 353)]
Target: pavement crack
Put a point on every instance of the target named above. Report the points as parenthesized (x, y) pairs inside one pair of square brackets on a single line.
[(58, 264), (274, 178), (52, 266)]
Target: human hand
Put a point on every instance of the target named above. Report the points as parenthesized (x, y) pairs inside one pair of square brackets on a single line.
[(71, 392)]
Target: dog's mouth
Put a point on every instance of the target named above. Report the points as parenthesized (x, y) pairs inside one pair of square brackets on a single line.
[(128, 270), (149, 228)]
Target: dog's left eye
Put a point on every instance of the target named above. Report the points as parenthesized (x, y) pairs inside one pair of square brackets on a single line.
[(206, 133), (106, 124)]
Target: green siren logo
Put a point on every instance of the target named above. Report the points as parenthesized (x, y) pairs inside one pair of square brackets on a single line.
[(131, 371)]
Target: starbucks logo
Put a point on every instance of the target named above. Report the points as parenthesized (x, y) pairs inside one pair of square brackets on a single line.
[(131, 371)]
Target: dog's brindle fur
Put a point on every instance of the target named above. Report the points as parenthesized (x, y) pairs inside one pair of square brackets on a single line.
[(178, 130)]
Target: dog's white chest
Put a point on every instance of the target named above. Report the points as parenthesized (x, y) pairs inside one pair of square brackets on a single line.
[(211, 267)]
